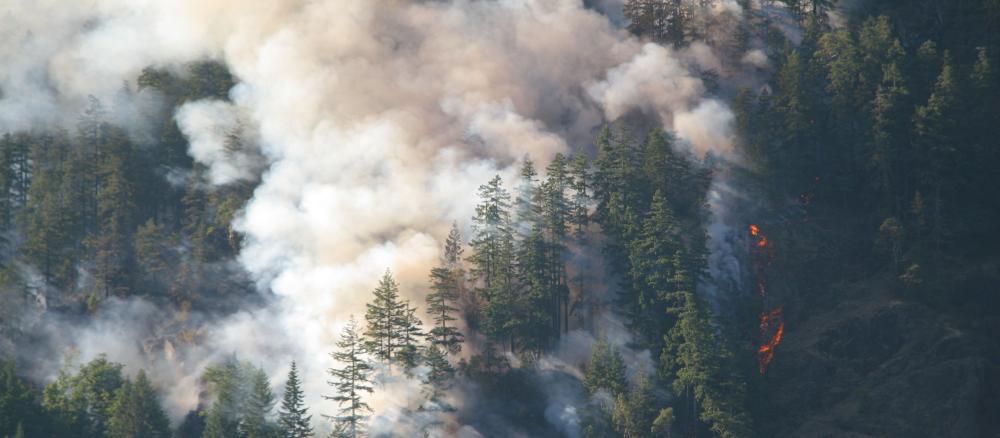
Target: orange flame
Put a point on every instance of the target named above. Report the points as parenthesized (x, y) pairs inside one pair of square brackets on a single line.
[(766, 352), (768, 317)]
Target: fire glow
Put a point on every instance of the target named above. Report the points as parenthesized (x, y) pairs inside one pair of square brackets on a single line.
[(768, 319)]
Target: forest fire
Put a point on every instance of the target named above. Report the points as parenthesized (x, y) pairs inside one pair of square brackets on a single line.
[(766, 352), (768, 319)]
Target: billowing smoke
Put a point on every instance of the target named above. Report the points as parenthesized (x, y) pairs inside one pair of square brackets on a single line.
[(376, 121)]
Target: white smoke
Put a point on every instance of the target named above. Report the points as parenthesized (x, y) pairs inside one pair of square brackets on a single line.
[(377, 120)]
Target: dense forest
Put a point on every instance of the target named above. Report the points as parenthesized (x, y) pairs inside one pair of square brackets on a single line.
[(861, 200)]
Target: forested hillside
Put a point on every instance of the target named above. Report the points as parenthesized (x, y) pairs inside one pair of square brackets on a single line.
[(825, 266)]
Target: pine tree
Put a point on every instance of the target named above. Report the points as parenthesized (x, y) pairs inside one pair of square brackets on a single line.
[(890, 115), (440, 371), (556, 214), (81, 403), (136, 411), (48, 221), (226, 381), (698, 362), (936, 130), (525, 209), (453, 251), (493, 261), (664, 21), (350, 381), (440, 305), (256, 422), (17, 403), (114, 256), (292, 416), (605, 370), (665, 170), (384, 331), (409, 333), (651, 257), (634, 413), (493, 238), (580, 207)]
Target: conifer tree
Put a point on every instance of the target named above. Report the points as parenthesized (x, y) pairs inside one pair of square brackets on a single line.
[(556, 214), (409, 333), (453, 252), (292, 416), (698, 362), (384, 330), (526, 212), (493, 260), (605, 370), (936, 135), (136, 411), (226, 382), (440, 305), (651, 257), (81, 402), (114, 257), (581, 185), (260, 401), (634, 412), (17, 403), (350, 382), (440, 373)]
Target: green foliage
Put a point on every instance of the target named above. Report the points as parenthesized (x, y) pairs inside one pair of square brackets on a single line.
[(350, 382), (386, 320), (136, 411), (440, 304), (634, 412), (440, 371), (81, 403), (605, 370), (18, 406), (242, 401), (293, 418)]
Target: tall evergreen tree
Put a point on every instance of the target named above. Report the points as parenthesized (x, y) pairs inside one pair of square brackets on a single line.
[(227, 383), (116, 207), (936, 128), (605, 369), (493, 260), (256, 421), (384, 330), (440, 371), (440, 305), (292, 416), (651, 256), (699, 364), (580, 204), (350, 381), (81, 403), (136, 411), (17, 404), (409, 334), (525, 208)]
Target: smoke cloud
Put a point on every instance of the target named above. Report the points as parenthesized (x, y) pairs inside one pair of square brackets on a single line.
[(376, 121)]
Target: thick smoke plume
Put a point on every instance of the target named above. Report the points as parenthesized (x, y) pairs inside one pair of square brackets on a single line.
[(376, 120)]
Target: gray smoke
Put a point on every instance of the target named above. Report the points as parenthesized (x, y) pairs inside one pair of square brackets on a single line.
[(376, 121)]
